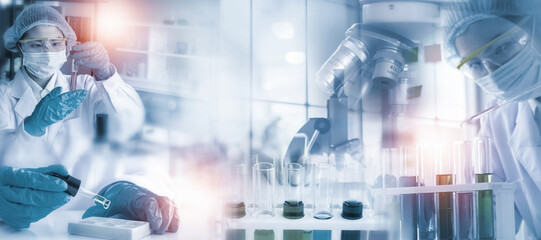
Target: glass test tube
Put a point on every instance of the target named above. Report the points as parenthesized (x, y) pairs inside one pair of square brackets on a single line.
[(426, 204), (235, 206), (444, 176), (408, 202), (263, 189), (465, 221), (389, 176), (352, 195), (483, 173), (74, 71), (352, 206), (322, 190), (294, 185)]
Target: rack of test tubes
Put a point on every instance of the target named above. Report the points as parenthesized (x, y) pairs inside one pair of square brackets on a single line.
[(436, 191)]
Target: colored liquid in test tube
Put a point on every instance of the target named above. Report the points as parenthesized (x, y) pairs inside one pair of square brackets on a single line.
[(483, 174), (444, 176), (94, 196)]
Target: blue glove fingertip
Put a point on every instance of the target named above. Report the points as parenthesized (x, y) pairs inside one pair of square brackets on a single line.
[(56, 92)]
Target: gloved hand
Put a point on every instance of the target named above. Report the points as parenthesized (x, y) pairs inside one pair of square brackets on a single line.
[(94, 56), (53, 108), (129, 201), (28, 194)]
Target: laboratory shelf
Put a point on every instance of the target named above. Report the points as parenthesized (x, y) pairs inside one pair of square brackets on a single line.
[(278, 224), (175, 55), (132, 50), (178, 27), (162, 88)]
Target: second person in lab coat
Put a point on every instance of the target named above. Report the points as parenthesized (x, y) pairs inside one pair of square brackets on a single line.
[(496, 44), (43, 123)]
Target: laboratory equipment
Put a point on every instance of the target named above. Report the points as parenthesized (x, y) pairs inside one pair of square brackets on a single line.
[(322, 190), (74, 71), (483, 174), (408, 202), (389, 205), (73, 79), (74, 187), (235, 206), (426, 207), (368, 54), (293, 205), (444, 176), (497, 105), (352, 206), (264, 235), (263, 189), (465, 215), (110, 228)]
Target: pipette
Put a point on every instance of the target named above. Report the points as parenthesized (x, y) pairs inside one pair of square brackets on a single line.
[(96, 197), (74, 187), (497, 105)]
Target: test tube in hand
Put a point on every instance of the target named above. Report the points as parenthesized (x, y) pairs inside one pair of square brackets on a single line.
[(74, 70)]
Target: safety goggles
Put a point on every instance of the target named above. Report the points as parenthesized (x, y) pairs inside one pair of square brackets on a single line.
[(495, 53), (36, 45)]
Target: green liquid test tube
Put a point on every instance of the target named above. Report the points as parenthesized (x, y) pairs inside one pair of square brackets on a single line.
[(485, 209)]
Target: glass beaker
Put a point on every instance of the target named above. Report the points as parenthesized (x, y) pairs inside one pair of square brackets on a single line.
[(263, 189), (323, 190)]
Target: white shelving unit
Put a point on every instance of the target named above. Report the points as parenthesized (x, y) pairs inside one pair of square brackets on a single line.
[(167, 59)]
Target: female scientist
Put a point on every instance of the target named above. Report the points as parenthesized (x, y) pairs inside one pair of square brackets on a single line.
[(43, 123), (494, 42)]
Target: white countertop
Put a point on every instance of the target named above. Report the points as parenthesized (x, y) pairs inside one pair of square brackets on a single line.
[(55, 226)]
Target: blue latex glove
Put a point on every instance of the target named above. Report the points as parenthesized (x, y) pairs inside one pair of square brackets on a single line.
[(129, 201), (94, 56), (53, 108), (28, 194)]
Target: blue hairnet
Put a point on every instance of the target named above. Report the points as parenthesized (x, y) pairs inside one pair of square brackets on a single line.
[(458, 16), (33, 15)]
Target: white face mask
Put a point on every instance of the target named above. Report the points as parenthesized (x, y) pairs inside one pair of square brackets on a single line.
[(515, 77), (43, 65)]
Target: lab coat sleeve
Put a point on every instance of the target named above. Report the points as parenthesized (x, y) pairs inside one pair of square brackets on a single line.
[(14, 139), (122, 104), (126, 116)]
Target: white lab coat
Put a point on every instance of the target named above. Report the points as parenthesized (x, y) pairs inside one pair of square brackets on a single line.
[(69, 142), (517, 158)]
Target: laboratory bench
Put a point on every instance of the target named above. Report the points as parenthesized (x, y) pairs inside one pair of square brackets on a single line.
[(55, 226)]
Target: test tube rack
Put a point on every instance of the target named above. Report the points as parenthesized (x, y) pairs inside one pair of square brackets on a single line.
[(278, 224), (503, 194), (503, 197)]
